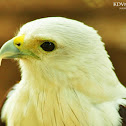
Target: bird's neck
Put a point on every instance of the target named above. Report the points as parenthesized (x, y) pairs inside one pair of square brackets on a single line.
[(97, 87), (34, 77)]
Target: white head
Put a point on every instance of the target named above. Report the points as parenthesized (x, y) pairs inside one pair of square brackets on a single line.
[(75, 58)]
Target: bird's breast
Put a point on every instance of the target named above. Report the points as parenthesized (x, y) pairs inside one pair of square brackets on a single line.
[(66, 107)]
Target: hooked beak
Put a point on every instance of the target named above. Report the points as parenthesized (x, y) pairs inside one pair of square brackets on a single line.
[(11, 49)]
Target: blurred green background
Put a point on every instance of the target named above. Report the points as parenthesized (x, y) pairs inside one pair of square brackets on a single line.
[(107, 16)]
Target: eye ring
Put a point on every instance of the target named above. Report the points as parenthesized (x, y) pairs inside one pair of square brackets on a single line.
[(48, 46)]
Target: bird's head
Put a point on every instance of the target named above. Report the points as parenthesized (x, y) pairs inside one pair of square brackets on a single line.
[(63, 52)]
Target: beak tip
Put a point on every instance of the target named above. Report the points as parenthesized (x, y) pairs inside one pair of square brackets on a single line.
[(0, 61), (8, 50)]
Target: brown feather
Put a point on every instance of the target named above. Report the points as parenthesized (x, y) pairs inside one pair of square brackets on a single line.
[(2, 123), (122, 112), (1, 105)]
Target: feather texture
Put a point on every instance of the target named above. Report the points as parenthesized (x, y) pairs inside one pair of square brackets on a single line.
[(73, 85), (122, 112)]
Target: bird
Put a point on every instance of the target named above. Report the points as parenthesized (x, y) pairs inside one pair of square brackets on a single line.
[(67, 78)]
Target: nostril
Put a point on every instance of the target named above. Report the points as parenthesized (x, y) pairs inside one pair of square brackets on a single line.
[(18, 44)]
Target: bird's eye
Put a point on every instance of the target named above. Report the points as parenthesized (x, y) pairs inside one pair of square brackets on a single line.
[(48, 46)]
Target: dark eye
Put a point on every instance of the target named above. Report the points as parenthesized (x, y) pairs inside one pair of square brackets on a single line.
[(48, 46)]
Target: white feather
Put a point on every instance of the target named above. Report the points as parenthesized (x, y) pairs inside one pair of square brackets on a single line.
[(72, 85)]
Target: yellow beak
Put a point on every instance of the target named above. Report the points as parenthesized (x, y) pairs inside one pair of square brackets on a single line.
[(11, 48), (18, 41)]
